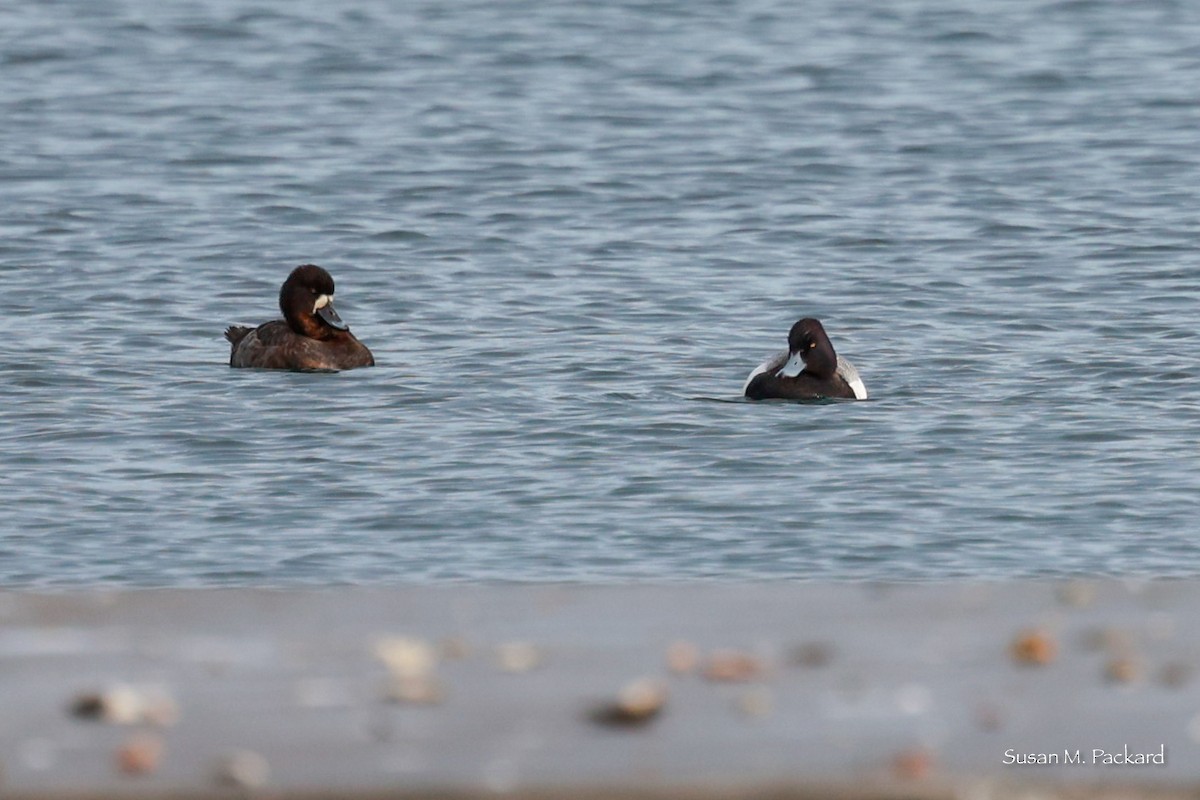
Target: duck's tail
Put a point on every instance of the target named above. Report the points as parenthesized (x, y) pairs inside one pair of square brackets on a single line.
[(235, 333)]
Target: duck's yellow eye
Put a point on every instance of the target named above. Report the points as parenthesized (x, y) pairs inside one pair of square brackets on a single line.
[(811, 345)]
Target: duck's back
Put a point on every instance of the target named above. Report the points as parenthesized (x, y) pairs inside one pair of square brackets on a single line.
[(273, 345)]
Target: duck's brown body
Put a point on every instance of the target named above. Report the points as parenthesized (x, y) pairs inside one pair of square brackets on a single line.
[(273, 345)]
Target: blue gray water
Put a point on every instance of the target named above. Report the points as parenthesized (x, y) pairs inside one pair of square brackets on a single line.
[(568, 231)]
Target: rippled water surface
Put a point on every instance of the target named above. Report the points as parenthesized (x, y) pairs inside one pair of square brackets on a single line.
[(568, 231)]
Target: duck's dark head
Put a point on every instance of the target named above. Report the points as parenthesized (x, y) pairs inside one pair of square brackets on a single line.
[(810, 351), (306, 300)]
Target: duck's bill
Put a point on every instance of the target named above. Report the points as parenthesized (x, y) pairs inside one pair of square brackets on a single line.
[(793, 367), (327, 313)]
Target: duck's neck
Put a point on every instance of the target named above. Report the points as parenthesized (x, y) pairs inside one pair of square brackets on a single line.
[(821, 362), (310, 326)]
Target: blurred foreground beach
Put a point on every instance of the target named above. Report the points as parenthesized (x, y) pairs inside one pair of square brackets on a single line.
[(1080, 689)]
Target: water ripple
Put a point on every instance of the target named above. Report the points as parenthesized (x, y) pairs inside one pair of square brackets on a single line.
[(568, 233)]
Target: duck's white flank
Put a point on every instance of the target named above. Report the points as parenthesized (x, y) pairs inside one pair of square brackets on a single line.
[(850, 375)]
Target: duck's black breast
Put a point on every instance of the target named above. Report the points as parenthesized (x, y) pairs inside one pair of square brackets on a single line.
[(274, 345), (769, 386)]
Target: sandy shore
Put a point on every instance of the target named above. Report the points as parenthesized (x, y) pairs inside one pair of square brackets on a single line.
[(689, 691)]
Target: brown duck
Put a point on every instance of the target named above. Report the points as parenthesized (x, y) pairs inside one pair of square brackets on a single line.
[(311, 335)]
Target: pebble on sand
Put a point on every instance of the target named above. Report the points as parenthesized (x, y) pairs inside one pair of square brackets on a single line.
[(518, 656), (812, 654), (1122, 669), (1034, 647), (140, 755), (636, 704), (406, 657), (121, 704), (733, 666), (1175, 675), (913, 765), (682, 657)]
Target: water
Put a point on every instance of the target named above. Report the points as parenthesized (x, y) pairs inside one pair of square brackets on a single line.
[(568, 233)]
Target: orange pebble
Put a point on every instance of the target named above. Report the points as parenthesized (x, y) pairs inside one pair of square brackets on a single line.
[(1034, 647), (140, 755), (1122, 669), (912, 765), (733, 666), (682, 657)]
